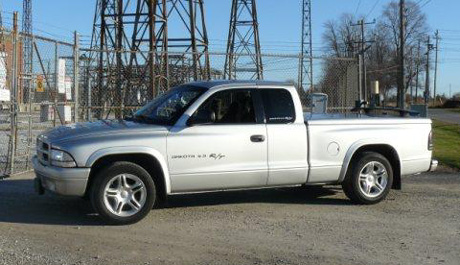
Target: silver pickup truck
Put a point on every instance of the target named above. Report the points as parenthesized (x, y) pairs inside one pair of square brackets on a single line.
[(223, 135)]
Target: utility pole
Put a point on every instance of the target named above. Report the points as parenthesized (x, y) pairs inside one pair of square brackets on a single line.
[(3, 60), (13, 92), (436, 36), (411, 70), (76, 74), (429, 47), (417, 70), (306, 60), (362, 59), (402, 66)]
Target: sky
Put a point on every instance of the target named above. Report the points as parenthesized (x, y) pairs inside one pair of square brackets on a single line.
[(279, 24)]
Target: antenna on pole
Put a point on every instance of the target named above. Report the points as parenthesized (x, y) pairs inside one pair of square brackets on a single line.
[(243, 47), (306, 52)]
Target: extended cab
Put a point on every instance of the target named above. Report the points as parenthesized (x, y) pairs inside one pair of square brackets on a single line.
[(224, 135)]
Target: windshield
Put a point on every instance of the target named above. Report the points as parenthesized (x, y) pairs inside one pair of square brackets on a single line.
[(167, 108)]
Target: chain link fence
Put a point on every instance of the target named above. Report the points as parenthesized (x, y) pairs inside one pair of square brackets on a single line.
[(70, 84)]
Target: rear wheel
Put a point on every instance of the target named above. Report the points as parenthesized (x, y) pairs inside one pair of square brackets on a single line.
[(369, 179), (123, 193)]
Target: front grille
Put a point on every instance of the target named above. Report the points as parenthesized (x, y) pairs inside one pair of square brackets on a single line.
[(43, 151)]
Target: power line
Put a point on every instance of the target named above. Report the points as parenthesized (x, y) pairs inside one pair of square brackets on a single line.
[(372, 9), (357, 7), (426, 3)]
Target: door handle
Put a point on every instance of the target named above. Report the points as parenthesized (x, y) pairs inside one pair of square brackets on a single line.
[(257, 138)]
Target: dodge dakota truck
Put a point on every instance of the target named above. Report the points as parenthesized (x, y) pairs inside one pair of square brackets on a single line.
[(227, 135)]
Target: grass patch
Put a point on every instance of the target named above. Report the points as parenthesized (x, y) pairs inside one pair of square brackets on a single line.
[(447, 143), (454, 110)]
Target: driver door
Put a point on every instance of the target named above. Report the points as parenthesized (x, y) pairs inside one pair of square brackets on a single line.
[(227, 151)]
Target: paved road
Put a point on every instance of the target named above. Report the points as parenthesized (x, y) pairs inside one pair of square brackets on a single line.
[(444, 115), (419, 225)]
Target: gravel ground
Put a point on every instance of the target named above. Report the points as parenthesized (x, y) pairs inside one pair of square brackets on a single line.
[(418, 225)]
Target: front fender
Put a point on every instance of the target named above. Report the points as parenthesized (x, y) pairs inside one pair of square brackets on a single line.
[(133, 150)]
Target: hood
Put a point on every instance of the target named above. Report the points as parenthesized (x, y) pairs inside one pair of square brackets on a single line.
[(97, 128)]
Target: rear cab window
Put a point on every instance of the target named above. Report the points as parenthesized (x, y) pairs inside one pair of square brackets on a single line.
[(278, 106)]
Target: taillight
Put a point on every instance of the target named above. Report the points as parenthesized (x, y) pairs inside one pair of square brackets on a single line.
[(430, 141)]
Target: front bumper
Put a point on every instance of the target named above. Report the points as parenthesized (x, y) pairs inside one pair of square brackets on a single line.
[(62, 181), (434, 165)]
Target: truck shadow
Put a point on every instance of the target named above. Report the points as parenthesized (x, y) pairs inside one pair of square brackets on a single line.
[(296, 195), (20, 204)]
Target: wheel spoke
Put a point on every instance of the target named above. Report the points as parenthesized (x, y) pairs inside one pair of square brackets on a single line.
[(118, 180), (137, 187), (119, 208), (124, 182), (111, 193), (370, 167), (134, 204), (368, 188), (380, 171)]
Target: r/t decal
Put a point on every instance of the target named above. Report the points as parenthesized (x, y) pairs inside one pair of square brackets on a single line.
[(217, 156)]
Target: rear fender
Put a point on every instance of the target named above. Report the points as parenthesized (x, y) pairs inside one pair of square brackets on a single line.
[(356, 146)]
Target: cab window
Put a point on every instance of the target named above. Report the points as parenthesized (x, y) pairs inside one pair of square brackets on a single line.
[(278, 106), (227, 107)]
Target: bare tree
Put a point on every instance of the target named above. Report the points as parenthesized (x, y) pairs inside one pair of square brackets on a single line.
[(382, 58), (416, 31), (340, 36)]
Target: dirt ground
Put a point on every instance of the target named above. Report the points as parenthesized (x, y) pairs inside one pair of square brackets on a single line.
[(418, 225)]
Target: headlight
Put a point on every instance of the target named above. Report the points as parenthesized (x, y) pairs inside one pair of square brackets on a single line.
[(62, 159)]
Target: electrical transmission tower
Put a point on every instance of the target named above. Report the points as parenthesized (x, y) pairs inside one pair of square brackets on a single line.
[(243, 48), (137, 57), (306, 60), (27, 43)]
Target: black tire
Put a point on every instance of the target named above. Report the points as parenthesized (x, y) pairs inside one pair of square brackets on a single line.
[(351, 184), (102, 179)]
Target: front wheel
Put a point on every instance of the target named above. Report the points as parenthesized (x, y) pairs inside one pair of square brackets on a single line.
[(123, 193), (369, 180)]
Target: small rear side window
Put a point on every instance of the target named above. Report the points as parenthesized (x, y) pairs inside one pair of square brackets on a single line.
[(278, 106)]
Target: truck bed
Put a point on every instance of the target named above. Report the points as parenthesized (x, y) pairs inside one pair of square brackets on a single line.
[(334, 137), (354, 118)]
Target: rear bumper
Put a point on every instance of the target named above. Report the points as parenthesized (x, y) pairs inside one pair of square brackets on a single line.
[(62, 181), (434, 165)]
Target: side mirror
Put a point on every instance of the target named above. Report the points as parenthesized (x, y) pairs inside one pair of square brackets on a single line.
[(200, 117)]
